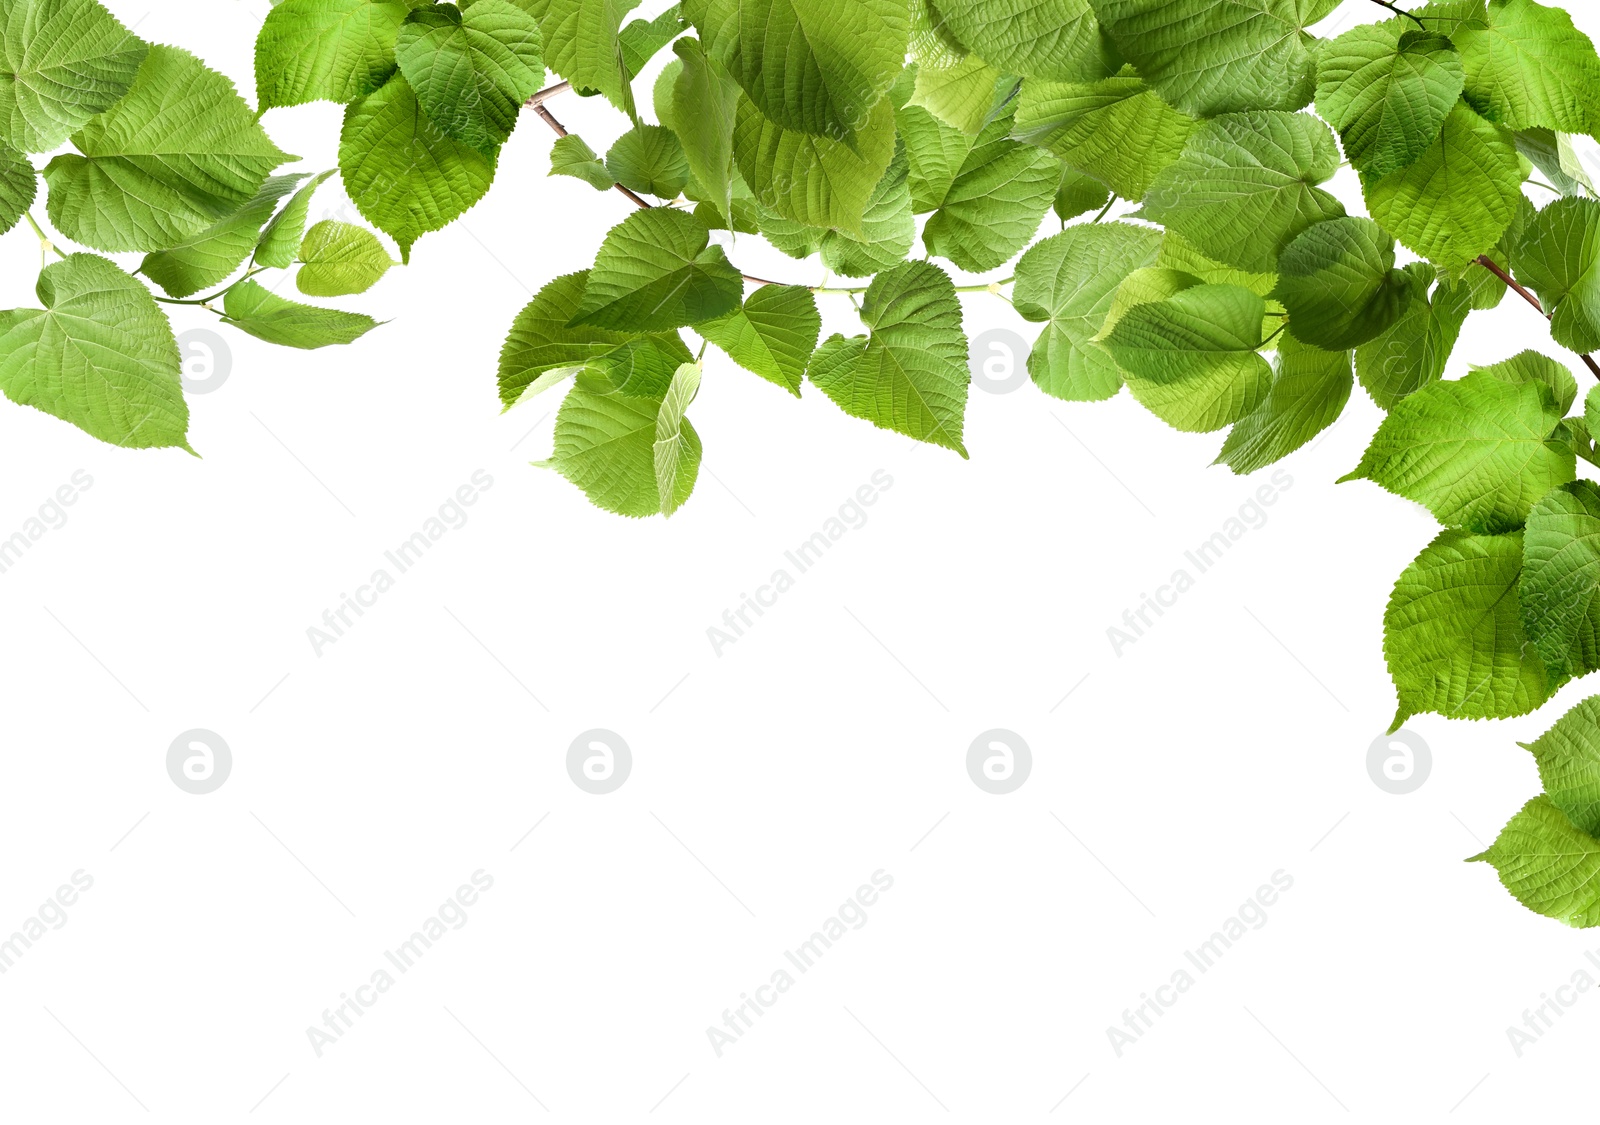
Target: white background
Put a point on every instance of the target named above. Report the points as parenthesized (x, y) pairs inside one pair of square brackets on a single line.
[(368, 782)]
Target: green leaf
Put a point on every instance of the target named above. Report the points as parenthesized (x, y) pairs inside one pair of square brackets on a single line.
[(1117, 130), (1453, 634), (1531, 367), (888, 230), (252, 307), (1458, 198), (472, 68), (1207, 58), (1530, 68), (100, 355), (711, 99), (935, 152), (1309, 390), (1553, 155), (1387, 91), (1413, 352), (1068, 282), (61, 62), (18, 185), (280, 239), (649, 159), (810, 66), (1339, 284), (1568, 755), (673, 459), (541, 342), (606, 445), (340, 259), (582, 44), (179, 152), (964, 95), (1557, 258), (641, 40), (814, 180), (326, 50), (1548, 865), (995, 203), (1244, 187), (773, 334), (1057, 39), (571, 156), (1192, 359), (1079, 194), (1476, 452), (657, 270), (404, 176), (205, 259), (910, 375), (1561, 579)]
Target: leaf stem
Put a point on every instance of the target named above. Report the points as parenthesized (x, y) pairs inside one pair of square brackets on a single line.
[(206, 301), (1399, 11), (1488, 263), (45, 245), (1106, 210), (561, 131)]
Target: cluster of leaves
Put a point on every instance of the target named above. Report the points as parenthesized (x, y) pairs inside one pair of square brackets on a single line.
[(167, 161)]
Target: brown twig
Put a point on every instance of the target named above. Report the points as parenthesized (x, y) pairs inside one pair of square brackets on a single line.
[(561, 131), (1488, 263)]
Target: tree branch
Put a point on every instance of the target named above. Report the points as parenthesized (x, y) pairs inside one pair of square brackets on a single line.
[(1488, 263)]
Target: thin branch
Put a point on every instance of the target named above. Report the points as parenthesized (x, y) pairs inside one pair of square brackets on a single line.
[(1400, 12), (1488, 263), (548, 92), (561, 131)]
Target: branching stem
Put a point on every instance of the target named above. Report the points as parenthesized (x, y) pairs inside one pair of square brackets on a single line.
[(1400, 12), (1488, 263)]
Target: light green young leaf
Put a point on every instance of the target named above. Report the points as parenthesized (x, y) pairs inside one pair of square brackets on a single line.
[(1548, 865), (100, 355), (280, 238), (1244, 187), (18, 185), (1309, 390), (582, 44), (1558, 258), (1068, 282), (1387, 90), (888, 230), (1208, 58), (672, 459), (472, 68), (326, 50), (1058, 39), (1530, 68), (1458, 198), (1568, 755), (910, 375), (205, 259), (1144, 287), (1558, 162), (810, 179), (252, 307), (571, 156), (964, 95), (995, 203), (606, 445), (1476, 452), (541, 342), (810, 66), (1339, 284), (641, 40), (657, 271), (1193, 359), (1453, 634), (61, 62), (404, 176), (340, 259), (935, 152), (1531, 367), (1413, 352), (179, 152), (1561, 579), (711, 99), (773, 334), (649, 159), (1117, 130)]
